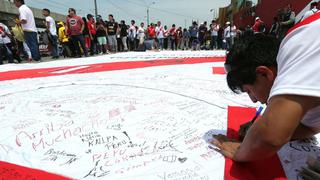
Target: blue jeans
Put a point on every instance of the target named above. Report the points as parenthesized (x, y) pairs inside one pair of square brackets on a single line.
[(54, 43), (32, 42), (173, 44), (229, 43), (160, 43), (214, 43), (112, 41)]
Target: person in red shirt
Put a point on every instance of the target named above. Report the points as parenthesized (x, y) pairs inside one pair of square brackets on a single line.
[(173, 37), (152, 31), (75, 27), (152, 34), (257, 27), (92, 31)]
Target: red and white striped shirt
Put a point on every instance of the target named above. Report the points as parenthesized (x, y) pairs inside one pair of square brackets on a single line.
[(299, 65)]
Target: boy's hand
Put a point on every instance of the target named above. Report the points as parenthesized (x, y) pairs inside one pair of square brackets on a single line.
[(244, 129), (227, 147)]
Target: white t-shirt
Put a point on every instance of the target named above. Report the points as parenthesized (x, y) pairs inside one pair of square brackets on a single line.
[(214, 30), (298, 68), (227, 32), (132, 32), (233, 31), (26, 14), (4, 29), (141, 31), (52, 24), (159, 31)]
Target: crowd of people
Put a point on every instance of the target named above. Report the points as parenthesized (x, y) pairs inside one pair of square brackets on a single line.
[(282, 22), (98, 36), (88, 36)]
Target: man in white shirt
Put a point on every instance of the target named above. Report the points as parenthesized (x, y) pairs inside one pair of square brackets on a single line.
[(214, 34), (132, 34), (313, 10), (141, 35), (27, 22), (51, 29), (227, 36), (160, 34), (285, 77), (233, 33), (5, 44)]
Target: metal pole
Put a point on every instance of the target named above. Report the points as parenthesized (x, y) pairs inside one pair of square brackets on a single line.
[(148, 7), (148, 16), (95, 8), (214, 14)]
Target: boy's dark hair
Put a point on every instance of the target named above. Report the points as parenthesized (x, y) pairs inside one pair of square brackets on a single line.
[(246, 55), (21, 1), (47, 10), (110, 15)]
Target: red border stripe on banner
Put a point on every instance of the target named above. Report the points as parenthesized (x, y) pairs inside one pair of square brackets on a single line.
[(10, 171), (92, 68), (267, 169)]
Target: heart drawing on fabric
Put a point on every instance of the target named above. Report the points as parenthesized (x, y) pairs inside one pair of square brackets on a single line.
[(182, 160)]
